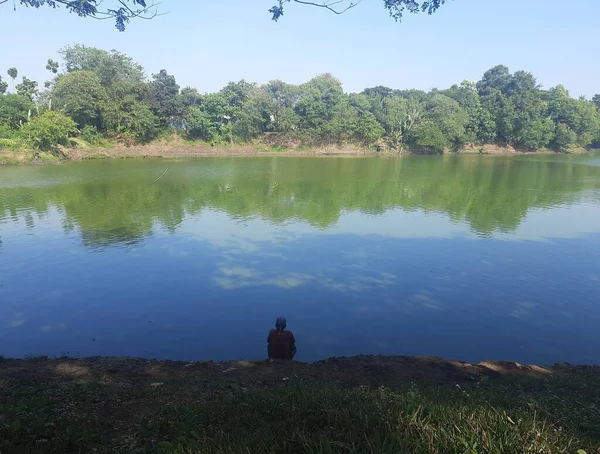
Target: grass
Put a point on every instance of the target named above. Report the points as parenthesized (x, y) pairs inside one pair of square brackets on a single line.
[(560, 414)]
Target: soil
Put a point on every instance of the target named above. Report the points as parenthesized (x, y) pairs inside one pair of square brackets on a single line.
[(180, 149), (184, 151), (392, 371)]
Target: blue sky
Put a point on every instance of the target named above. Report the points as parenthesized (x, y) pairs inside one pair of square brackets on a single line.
[(207, 43)]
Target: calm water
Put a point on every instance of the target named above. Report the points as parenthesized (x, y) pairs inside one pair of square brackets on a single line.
[(466, 257)]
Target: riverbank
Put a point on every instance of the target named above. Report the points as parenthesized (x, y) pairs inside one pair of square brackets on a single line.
[(360, 404), (180, 149)]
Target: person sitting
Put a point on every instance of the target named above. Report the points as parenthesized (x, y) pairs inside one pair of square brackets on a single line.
[(281, 343)]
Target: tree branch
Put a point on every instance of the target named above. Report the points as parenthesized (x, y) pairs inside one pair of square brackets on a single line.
[(330, 5), (124, 10), (396, 8)]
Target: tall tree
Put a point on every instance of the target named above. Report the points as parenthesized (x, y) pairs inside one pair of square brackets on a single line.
[(3, 86), (166, 103), (13, 73), (52, 66), (81, 96), (28, 88), (281, 99)]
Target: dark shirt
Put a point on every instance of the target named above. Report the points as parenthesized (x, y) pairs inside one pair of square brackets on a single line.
[(281, 344)]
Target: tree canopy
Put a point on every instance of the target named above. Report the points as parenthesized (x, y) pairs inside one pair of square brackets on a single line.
[(123, 11), (108, 96)]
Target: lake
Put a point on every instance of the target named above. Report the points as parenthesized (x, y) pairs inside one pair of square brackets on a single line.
[(468, 257)]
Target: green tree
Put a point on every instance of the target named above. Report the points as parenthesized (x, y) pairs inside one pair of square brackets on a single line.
[(81, 96), (140, 123), (15, 110), (111, 67), (13, 73), (3, 86), (166, 102), (579, 115), (515, 105), (400, 118), (242, 112), (49, 130), (28, 88), (429, 137), (564, 137), (280, 100), (363, 128), (200, 125), (189, 97), (596, 101), (320, 108), (52, 66), (450, 118)]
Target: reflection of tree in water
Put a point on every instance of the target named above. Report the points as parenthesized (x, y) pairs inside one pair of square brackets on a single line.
[(490, 193)]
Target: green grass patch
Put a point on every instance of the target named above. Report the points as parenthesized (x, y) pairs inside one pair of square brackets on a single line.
[(560, 414)]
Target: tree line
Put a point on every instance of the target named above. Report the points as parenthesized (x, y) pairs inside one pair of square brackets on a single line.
[(95, 95)]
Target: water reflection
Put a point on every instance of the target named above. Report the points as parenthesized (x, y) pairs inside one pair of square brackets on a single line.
[(111, 202)]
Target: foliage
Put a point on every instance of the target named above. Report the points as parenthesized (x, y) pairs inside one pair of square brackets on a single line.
[(200, 125), (166, 103), (15, 110), (396, 8), (12, 73), (122, 11), (111, 67), (81, 96), (109, 92), (28, 88), (48, 130)]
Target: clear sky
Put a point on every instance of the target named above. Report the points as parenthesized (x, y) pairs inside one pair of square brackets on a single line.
[(207, 43)]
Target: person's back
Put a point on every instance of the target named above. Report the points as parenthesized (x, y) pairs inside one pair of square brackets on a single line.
[(281, 343)]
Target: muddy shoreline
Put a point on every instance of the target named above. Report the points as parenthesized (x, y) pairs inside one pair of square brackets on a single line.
[(353, 371), (179, 150)]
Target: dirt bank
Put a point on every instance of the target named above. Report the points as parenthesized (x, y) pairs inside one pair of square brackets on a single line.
[(361, 370), (183, 150)]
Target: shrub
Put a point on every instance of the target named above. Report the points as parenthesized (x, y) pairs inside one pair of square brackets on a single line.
[(49, 130)]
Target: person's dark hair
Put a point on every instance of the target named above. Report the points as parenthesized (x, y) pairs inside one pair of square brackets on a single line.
[(280, 323)]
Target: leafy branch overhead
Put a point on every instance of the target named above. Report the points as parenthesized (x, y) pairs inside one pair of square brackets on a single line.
[(396, 8), (121, 11)]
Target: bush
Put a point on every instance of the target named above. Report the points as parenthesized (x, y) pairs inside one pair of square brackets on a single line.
[(90, 134), (49, 130), (200, 126)]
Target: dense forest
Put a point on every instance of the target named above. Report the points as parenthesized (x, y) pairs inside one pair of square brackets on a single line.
[(96, 97)]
